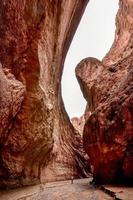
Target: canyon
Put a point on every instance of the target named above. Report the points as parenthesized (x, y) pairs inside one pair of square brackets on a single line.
[(38, 142)]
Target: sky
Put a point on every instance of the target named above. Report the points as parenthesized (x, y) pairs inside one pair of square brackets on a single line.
[(93, 38)]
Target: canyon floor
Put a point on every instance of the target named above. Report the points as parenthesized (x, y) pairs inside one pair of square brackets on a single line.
[(80, 189)]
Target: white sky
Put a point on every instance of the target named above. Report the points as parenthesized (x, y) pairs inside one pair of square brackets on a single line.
[(93, 38)]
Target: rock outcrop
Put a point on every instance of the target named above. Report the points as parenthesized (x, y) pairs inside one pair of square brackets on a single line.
[(78, 124), (108, 88), (37, 140)]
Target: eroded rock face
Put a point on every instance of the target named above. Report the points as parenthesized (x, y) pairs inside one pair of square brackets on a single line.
[(108, 88), (78, 124), (37, 140)]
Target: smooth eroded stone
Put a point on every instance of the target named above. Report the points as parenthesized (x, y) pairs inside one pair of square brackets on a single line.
[(108, 88), (37, 140)]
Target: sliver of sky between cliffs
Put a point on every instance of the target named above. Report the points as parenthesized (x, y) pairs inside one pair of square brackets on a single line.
[(93, 38)]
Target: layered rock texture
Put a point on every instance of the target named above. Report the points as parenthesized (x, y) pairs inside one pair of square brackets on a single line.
[(78, 124), (107, 86), (37, 140)]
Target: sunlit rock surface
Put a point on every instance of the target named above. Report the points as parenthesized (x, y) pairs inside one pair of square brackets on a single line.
[(108, 88), (37, 140)]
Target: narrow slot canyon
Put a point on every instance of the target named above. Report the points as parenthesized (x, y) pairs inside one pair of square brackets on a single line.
[(66, 99), (93, 38)]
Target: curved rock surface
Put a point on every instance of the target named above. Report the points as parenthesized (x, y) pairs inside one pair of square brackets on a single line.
[(108, 88), (37, 140)]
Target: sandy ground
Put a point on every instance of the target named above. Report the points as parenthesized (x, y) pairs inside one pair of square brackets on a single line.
[(65, 190)]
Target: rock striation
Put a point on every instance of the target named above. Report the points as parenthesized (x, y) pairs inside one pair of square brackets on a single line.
[(37, 140), (107, 86), (78, 124)]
